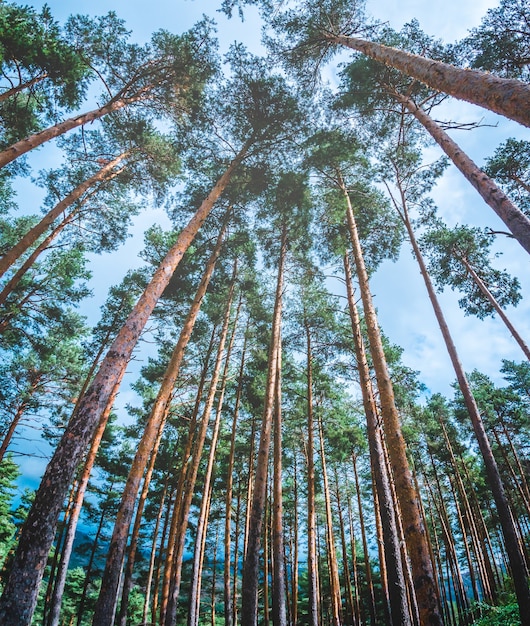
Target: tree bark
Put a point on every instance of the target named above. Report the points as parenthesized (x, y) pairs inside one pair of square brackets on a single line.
[(516, 558), (517, 222), (39, 229), (279, 604), (249, 591), (505, 96), (415, 532), (20, 593), (398, 604)]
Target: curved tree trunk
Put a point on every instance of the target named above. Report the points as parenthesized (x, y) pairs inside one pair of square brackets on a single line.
[(517, 222), (20, 593), (249, 591), (107, 171), (505, 96), (415, 532), (516, 558)]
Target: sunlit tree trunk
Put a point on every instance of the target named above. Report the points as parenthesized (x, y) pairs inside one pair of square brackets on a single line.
[(104, 610), (415, 532), (105, 173), (249, 590), (508, 97), (20, 592)]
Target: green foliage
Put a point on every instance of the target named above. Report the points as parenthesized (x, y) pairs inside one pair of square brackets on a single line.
[(9, 472), (503, 615), (449, 249), (501, 44)]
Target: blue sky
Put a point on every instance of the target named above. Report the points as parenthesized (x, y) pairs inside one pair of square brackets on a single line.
[(404, 310)]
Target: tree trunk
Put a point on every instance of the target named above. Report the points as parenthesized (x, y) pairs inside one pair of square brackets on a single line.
[(398, 603), (106, 172), (349, 618), (202, 520), (415, 532), (20, 593), (249, 591), (34, 141), (336, 604), (489, 296), (312, 564), (104, 610), (517, 562), (517, 222), (228, 599), (191, 479), (505, 96), (279, 604)]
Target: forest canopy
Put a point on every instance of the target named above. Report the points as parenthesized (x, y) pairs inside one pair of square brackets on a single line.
[(264, 329)]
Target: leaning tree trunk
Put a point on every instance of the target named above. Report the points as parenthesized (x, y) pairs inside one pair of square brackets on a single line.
[(104, 610), (511, 540), (506, 96), (107, 171), (202, 521), (249, 590), (20, 593), (397, 593), (491, 299), (34, 141), (191, 479), (415, 531), (517, 222)]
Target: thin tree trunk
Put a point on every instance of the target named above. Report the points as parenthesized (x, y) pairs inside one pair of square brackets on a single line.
[(20, 592), (517, 562), (517, 222), (191, 479), (415, 532), (505, 96), (294, 563), (396, 586), (103, 612), (336, 604), (202, 520), (249, 591), (487, 293), (21, 409), (279, 604), (107, 171), (312, 564), (349, 619), (23, 146), (228, 599), (21, 86), (152, 555)]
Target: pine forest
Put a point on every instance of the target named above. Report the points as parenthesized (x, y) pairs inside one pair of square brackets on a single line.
[(211, 242)]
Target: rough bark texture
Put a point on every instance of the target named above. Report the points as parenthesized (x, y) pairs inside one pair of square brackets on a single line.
[(20, 593), (414, 529), (31, 236), (249, 590), (104, 610), (505, 96), (517, 222), (399, 609), (511, 541)]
